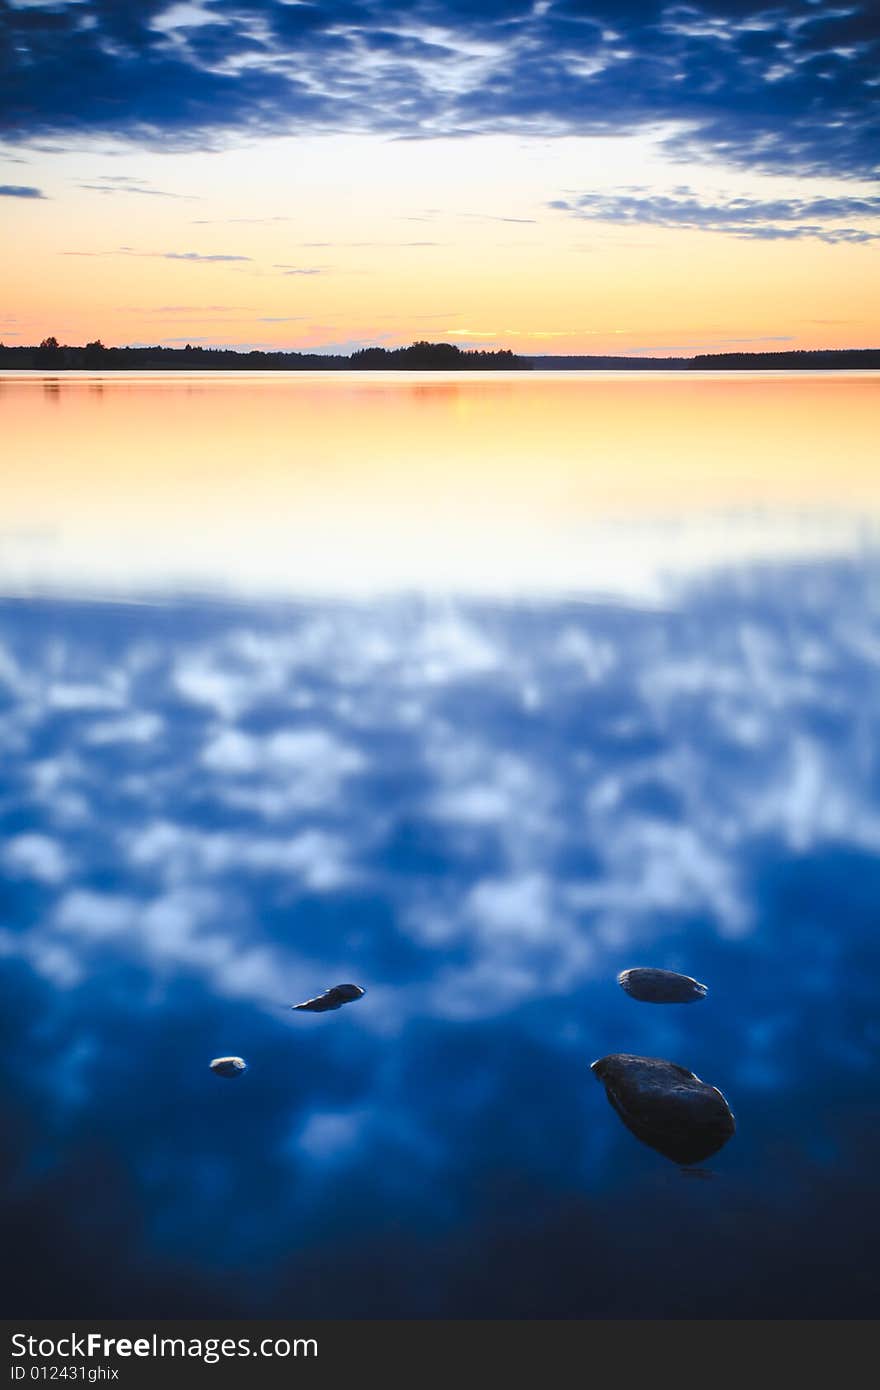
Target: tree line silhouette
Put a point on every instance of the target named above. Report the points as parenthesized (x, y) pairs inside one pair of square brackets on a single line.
[(421, 356), (795, 359)]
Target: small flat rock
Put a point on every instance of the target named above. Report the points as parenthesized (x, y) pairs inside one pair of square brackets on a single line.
[(661, 986), (666, 1106), (332, 999), (228, 1066)]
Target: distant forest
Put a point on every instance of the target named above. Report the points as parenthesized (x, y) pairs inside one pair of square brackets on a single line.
[(429, 357), (50, 355), (807, 360)]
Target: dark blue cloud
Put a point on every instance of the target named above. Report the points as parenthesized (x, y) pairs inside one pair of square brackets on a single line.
[(481, 814), (789, 87), (752, 218), (17, 190)]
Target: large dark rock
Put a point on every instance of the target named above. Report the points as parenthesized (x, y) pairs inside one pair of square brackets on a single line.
[(661, 986), (666, 1106), (331, 999)]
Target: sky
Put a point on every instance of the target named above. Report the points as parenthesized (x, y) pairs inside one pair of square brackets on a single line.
[(557, 176)]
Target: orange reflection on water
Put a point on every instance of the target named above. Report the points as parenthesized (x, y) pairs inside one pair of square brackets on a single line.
[(336, 481)]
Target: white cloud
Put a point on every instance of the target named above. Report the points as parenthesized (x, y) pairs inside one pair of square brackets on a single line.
[(652, 866), (518, 908), (96, 916), (36, 856), (297, 768), (51, 959), (811, 799), (68, 696), (314, 859), (187, 928), (12, 675), (595, 657), (133, 728), (448, 648), (203, 683), (57, 784), (479, 786), (331, 1134), (231, 752)]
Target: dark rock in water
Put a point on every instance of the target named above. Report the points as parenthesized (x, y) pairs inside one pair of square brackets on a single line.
[(228, 1066), (661, 986), (666, 1106), (332, 999)]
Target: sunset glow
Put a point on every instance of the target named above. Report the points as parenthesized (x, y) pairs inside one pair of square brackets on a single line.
[(602, 220)]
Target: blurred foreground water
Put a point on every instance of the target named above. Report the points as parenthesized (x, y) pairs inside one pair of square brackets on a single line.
[(481, 813), (492, 691)]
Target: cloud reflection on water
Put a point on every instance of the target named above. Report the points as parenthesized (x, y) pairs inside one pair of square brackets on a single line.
[(481, 813)]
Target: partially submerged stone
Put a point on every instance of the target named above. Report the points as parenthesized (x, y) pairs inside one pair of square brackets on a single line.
[(661, 986), (228, 1066), (332, 999), (666, 1106)]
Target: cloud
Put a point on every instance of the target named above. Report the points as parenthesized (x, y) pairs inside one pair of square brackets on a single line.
[(230, 221), (198, 256), (750, 218), (119, 183), (102, 188), (36, 856), (96, 916), (131, 728), (789, 87), (300, 767), (180, 854), (15, 190), (70, 696), (196, 341), (367, 244), (332, 1136), (489, 217), (187, 309)]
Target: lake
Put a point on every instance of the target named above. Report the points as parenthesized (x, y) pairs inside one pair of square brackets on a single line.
[(475, 691)]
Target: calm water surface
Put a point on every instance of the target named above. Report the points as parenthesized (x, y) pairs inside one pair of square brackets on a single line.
[(475, 692)]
